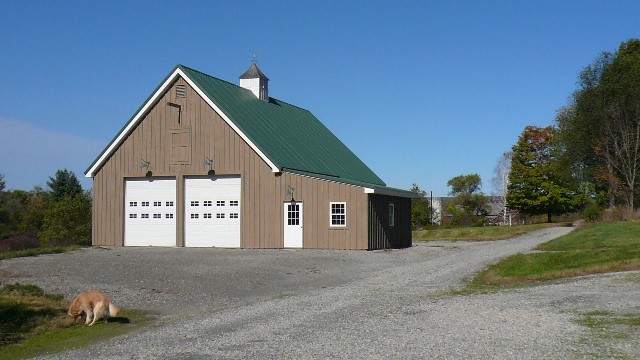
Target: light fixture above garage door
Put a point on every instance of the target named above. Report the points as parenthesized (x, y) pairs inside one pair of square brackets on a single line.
[(209, 162)]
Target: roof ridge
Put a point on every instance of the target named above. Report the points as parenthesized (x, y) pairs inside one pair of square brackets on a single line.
[(238, 86), (211, 76), (295, 106)]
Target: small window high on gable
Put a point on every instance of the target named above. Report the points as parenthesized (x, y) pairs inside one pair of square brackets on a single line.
[(181, 91)]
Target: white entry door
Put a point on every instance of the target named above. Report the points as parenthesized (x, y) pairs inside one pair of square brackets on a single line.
[(212, 212), (293, 224), (150, 212)]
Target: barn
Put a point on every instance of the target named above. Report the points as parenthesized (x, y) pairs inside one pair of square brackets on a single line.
[(207, 163)]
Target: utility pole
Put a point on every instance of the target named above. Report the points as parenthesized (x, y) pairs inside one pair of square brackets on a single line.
[(431, 209)]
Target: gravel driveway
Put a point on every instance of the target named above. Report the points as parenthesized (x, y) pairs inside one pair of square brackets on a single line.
[(316, 304)]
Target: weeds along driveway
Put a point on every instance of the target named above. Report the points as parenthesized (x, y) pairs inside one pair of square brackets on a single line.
[(248, 304)]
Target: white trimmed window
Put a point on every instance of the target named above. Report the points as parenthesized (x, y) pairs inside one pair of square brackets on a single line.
[(338, 213), (392, 215)]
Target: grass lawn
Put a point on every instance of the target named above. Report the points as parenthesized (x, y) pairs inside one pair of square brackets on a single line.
[(598, 248), (480, 233), (36, 252), (33, 323)]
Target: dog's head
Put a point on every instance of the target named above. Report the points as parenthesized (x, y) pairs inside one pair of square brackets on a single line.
[(75, 312)]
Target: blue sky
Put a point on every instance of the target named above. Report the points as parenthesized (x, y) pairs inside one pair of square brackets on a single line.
[(421, 91)]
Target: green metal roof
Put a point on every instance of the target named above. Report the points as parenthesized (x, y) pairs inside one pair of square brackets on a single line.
[(291, 137)]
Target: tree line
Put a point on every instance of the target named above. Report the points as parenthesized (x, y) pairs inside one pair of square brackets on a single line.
[(587, 161), (57, 216), (590, 157)]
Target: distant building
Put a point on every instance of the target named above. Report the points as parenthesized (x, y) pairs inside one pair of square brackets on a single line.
[(496, 216)]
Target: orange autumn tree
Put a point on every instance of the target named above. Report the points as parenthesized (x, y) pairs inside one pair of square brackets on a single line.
[(535, 184)]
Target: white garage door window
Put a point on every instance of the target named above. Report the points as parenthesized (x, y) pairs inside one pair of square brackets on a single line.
[(212, 212), (150, 212)]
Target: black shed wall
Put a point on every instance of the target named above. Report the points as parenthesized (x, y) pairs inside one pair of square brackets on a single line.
[(381, 234)]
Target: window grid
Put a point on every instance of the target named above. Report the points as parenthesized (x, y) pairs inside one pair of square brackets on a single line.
[(220, 203), (233, 203), (207, 203), (338, 213), (233, 215), (293, 214)]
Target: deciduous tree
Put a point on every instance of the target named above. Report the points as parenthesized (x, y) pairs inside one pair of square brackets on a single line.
[(421, 211), (67, 221), (600, 128), (534, 184), (469, 207)]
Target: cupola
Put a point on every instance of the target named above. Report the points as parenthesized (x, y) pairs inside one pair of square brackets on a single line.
[(254, 80)]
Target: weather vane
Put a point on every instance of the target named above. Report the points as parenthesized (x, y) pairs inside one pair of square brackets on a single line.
[(254, 58)]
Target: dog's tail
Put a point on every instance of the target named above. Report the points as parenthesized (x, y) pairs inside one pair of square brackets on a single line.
[(113, 310)]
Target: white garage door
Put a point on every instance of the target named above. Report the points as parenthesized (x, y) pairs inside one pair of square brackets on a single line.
[(150, 212), (212, 212)]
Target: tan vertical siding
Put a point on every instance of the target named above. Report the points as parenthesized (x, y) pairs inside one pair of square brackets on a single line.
[(263, 193)]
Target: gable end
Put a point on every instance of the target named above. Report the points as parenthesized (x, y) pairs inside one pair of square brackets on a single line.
[(139, 115)]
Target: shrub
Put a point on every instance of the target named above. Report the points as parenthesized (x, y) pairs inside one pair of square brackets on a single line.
[(620, 214), (20, 241), (67, 221), (592, 213)]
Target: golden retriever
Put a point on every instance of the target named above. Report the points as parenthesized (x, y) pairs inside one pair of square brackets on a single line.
[(94, 304)]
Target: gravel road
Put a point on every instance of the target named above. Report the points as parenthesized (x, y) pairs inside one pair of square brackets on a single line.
[(316, 304)]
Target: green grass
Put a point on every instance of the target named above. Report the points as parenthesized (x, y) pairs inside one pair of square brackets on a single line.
[(610, 333), (480, 233), (33, 323), (621, 234), (594, 249), (36, 252), (77, 336)]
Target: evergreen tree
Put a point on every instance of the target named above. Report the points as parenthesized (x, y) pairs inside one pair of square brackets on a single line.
[(64, 184)]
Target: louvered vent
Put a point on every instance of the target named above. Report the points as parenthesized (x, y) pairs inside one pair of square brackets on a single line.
[(181, 91)]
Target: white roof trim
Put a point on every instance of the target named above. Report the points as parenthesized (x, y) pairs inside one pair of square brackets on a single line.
[(390, 192), (161, 90)]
